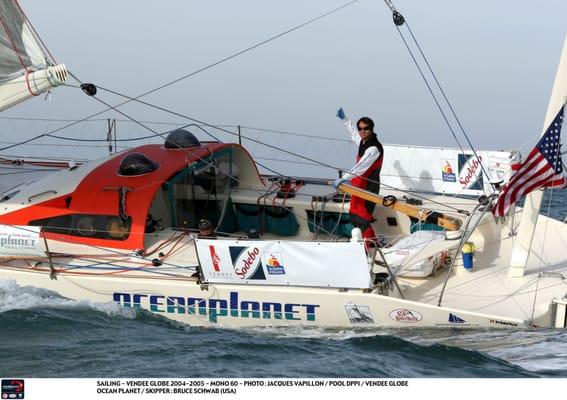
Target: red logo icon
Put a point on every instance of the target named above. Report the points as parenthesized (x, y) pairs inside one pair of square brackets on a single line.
[(215, 258)]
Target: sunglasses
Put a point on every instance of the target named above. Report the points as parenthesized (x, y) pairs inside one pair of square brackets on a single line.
[(364, 128)]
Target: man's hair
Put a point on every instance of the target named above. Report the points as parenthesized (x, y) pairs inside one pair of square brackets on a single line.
[(367, 121)]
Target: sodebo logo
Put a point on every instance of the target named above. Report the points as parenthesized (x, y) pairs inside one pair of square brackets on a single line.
[(470, 176), (248, 261)]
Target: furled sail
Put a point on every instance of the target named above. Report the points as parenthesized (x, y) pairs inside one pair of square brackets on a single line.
[(25, 69)]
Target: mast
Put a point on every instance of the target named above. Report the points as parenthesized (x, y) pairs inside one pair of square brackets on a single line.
[(532, 205)]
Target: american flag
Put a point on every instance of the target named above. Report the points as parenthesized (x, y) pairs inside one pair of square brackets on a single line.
[(542, 168)]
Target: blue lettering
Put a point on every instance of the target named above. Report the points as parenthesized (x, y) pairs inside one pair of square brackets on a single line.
[(137, 299), (289, 312), (191, 305), (234, 304), (176, 304), (154, 303), (221, 311), (123, 299), (216, 308), (310, 311), (267, 310), (245, 309)]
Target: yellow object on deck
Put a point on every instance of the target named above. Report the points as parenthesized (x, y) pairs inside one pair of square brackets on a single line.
[(423, 215)]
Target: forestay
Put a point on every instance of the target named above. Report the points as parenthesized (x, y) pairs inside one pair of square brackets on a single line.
[(309, 264)]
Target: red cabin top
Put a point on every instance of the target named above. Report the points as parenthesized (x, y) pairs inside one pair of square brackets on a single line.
[(97, 193)]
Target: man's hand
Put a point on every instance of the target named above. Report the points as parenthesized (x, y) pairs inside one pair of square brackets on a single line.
[(337, 182)]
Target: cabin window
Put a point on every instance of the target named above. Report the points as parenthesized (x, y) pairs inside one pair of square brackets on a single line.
[(110, 227), (200, 191), (135, 164)]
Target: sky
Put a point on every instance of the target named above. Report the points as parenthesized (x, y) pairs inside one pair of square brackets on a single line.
[(496, 61)]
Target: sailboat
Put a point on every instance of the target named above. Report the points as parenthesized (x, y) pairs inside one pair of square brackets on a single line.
[(191, 231)]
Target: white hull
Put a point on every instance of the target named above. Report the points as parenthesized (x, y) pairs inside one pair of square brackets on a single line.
[(305, 307), (484, 297)]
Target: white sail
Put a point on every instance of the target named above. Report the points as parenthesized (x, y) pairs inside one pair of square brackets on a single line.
[(25, 71), (532, 205)]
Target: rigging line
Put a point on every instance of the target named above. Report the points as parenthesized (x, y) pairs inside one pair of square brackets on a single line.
[(447, 100), (293, 154), (287, 161), (58, 159), (430, 89), (121, 113), (220, 129), (113, 262), (201, 128), (93, 120), (54, 131), (214, 127), (163, 123), (20, 168), (161, 134), (155, 133), (235, 134), (264, 144), (390, 5), (185, 126), (404, 21), (248, 49), (92, 146), (45, 48), (295, 134), (98, 140), (271, 170), (157, 123), (239, 53), (21, 172)]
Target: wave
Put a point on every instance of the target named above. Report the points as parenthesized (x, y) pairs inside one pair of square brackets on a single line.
[(15, 297), (528, 352), (36, 319)]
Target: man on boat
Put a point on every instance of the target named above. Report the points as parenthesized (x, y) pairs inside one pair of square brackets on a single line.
[(366, 172)]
